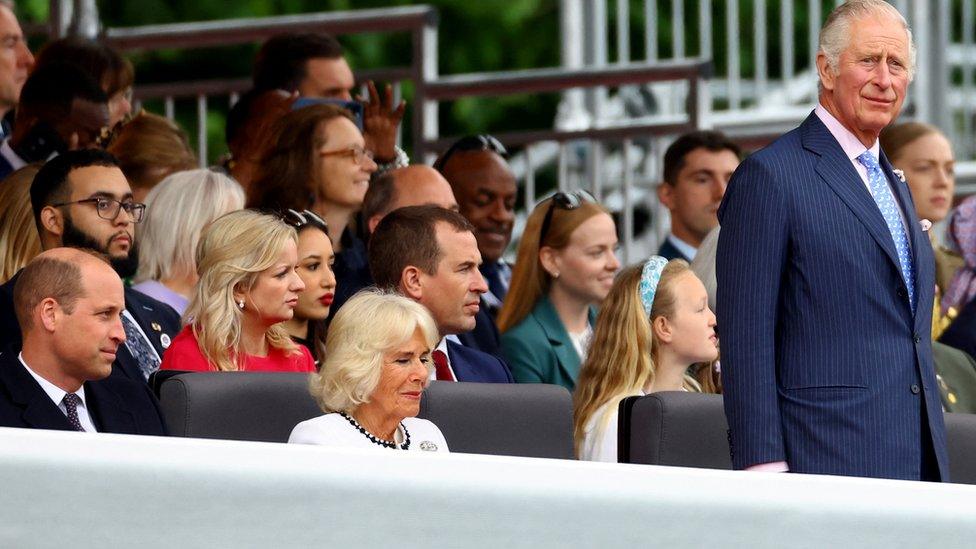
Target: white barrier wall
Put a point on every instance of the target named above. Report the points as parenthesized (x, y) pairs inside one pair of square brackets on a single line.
[(75, 490)]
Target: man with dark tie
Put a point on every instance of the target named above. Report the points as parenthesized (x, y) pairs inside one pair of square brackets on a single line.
[(430, 255), (825, 279), (69, 303), (81, 199)]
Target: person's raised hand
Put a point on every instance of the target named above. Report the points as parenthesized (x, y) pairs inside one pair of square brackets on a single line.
[(380, 122)]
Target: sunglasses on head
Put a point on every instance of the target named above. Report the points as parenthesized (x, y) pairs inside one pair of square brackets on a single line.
[(483, 142), (305, 218), (565, 201)]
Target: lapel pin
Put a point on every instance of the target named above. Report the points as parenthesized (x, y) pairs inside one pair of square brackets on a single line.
[(164, 340), (900, 174), (926, 225), (156, 326)]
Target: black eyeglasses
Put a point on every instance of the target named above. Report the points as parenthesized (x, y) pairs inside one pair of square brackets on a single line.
[(482, 142), (566, 201), (109, 208), (305, 218)]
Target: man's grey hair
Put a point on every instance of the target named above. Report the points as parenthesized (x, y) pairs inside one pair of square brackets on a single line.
[(835, 35)]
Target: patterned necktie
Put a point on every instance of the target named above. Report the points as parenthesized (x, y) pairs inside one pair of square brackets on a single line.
[(441, 369), (71, 402), (139, 347), (892, 215)]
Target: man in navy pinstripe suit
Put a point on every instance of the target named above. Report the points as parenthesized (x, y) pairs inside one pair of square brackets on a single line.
[(823, 279)]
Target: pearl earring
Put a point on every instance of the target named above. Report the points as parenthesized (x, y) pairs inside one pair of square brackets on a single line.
[(240, 304)]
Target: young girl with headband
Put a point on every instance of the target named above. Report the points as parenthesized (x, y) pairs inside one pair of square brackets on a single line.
[(654, 325)]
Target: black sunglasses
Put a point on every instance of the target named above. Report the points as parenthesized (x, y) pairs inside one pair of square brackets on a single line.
[(565, 201), (483, 142), (305, 218)]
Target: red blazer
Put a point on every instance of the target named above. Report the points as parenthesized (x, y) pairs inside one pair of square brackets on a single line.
[(184, 355)]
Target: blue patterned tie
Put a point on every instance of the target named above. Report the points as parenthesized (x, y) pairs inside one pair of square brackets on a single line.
[(892, 216), (139, 347)]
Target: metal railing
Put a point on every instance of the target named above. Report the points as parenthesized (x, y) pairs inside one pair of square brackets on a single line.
[(419, 21), (620, 180)]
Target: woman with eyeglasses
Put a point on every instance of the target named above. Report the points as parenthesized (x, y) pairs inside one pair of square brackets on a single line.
[(565, 266), (248, 286), (177, 210), (317, 161), (315, 260)]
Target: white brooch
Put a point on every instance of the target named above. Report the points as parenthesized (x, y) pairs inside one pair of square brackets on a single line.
[(926, 225), (428, 446), (901, 175)]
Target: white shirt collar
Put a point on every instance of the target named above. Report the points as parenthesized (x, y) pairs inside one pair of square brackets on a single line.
[(852, 146), (686, 249), (54, 392), (16, 162)]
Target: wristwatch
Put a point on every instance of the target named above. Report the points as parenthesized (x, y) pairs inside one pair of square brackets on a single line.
[(400, 160)]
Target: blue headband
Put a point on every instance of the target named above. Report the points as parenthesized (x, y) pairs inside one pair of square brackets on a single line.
[(650, 276)]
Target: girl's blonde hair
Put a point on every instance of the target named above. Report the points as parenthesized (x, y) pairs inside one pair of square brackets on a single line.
[(232, 253), (372, 323), (19, 242), (620, 362), (530, 281)]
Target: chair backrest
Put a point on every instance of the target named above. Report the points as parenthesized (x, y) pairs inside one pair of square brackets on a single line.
[(509, 419), (255, 406), (961, 439), (674, 428), (531, 420)]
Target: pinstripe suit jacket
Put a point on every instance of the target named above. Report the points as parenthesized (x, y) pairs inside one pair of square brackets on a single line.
[(824, 365)]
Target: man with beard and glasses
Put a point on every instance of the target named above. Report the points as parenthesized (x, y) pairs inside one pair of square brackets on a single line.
[(81, 199)]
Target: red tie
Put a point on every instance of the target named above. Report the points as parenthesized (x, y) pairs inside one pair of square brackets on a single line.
[(441, 368)]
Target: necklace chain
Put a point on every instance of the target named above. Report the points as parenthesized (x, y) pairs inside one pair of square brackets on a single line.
[(376, 440)]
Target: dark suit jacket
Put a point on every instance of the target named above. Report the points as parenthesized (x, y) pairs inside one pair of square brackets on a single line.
[(154, 317), (116, 405), (484, 337), (824, 364), (669, 251), (473, 365)]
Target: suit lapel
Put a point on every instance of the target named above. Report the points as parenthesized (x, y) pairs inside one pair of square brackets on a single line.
[(107, 409), (140, 313), (837, 171), (545, 314), (39, 410), (924, 267), (462, 370)]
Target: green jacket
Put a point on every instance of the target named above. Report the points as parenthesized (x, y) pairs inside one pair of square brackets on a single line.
[(539, 350)]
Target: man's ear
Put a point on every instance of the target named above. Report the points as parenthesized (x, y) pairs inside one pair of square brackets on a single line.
[(826, 72), (665, 193), (662, 329), (411, 283), (49, 313), (52, 220)]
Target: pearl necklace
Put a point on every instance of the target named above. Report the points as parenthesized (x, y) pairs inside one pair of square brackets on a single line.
[(375, 440)]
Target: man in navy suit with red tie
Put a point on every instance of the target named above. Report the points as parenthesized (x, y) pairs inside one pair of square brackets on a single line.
[(826, 280), (430, 255)]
